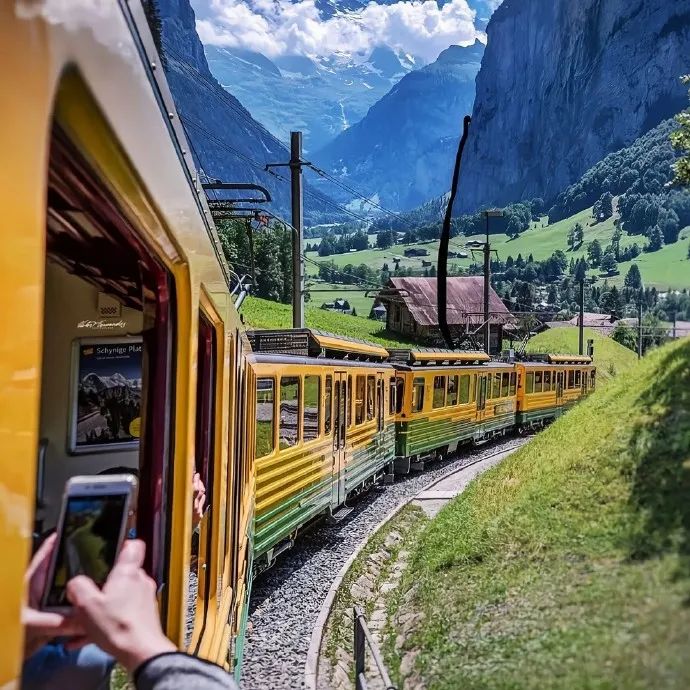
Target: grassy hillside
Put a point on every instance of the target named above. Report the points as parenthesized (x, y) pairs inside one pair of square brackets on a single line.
[(568, 566), (261, 313), (610, 357)]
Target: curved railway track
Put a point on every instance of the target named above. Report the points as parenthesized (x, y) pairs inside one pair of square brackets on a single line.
[(286, 599)]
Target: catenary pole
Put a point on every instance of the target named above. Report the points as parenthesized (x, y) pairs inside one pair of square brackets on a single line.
[(297, 223), (582, 318)]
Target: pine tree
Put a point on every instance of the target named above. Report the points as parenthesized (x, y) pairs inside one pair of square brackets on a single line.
[(608, 263), (633, 278), (680, 139), (656, 239)]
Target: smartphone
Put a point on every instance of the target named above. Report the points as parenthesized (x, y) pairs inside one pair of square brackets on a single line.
[(95, 516)]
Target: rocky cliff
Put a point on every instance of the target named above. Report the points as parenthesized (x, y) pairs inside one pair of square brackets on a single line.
[(227, 143), (564, 83), (403, 149)]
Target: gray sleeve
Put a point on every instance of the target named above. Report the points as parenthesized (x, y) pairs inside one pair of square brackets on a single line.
[(178, 671)]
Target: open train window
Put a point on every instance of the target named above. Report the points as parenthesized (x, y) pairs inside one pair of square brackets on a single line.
[(121, 410), (418, 394), (265, 394), (311, 408), (547, 381), (529, 382), (571, 379), (592, 379), (288, 433), (464, 389), (452, 394), (505, 384), (371, 397), (205, 403), (350, 394), (360, 397), (578, 374), (439, 396), (513, 380), (328, 404), (391, 396)]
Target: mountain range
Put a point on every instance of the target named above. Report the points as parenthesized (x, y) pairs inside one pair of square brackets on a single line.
[(402, 151)]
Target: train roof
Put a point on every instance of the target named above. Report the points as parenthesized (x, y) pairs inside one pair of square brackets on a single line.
[(436, 357), (546, 358), (307, 342)]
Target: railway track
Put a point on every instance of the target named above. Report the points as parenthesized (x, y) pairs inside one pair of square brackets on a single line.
[(286, 599)]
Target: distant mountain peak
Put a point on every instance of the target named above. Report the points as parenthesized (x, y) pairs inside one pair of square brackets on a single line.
[(386, 61)]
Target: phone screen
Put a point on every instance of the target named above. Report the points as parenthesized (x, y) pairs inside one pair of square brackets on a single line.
[(88, 543)]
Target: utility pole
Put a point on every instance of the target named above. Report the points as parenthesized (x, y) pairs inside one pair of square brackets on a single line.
[(639, 326), (581, 349), (296, 188), (495, 213)]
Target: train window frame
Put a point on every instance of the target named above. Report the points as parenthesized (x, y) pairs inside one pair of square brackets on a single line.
[(314, 433), (547, 380), (399, 394), (371, 406), (505, 384), (360, 398), (418, 383), (496, 386), (473, 387), (392, 395), (538, 381), (571, 378), (350, 418), (529, 382), (438, 396), (464, 389), (272, 437), (294, 380), (513, 384), (328, 404), (578, 378), (592, 379), (453, 390)]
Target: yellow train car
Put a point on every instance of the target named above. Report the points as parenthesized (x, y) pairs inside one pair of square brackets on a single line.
[(549, 385), (447, 398), (121, 347), (323, 411)]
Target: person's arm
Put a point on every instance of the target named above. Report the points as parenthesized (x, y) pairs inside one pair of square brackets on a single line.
[(176, 670), (122, 619)]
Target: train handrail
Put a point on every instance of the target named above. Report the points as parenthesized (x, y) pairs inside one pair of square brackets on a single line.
[(362, 639)]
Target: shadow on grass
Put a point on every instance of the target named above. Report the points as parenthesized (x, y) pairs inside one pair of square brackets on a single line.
[(661, 465)]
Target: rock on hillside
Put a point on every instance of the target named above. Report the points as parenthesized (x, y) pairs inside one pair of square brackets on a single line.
[(562, 84), (227, 142), (403, 149)]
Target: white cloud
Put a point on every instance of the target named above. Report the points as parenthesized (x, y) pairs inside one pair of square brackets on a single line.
[(281, 27)]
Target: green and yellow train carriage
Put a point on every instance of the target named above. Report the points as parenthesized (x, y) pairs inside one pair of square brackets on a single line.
[(549, 385), (447, 398), (323, 412)]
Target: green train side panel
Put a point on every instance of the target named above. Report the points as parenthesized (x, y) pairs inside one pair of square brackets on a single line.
[(421, 436), (370, 459), (524, 418)]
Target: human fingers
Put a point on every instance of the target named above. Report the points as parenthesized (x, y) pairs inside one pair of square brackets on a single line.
[(132, 553), (83, 593), (38, 570)]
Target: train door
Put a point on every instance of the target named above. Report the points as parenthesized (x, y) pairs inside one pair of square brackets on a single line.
[(340, 396), (380, 398), (560, 376), (482, 385)]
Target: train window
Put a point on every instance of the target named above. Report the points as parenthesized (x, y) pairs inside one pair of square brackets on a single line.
[(328, 404), (473, 388), (513, 381), (577, 378), (496, 393), (360, 394), (418, 395), (538, 378), (464, 389), (391, 396), (264, 417), (529, 382), (505, 384), (371, 397), (439, 397), (399, 395), (452, 396), (348, 412), (592, 378), (288, 434), (571, 379), (312, 406), (547, 381)]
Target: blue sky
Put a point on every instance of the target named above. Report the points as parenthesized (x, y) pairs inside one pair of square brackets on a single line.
[(422, 28)]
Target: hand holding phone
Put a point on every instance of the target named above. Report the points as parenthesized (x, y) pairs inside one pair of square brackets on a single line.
[(92, 527)]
